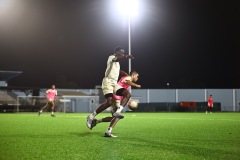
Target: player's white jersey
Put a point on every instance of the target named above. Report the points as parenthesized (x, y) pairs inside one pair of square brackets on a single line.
[(113, 68)]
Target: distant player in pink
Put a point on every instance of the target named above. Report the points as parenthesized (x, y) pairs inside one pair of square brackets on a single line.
[(50, 96)]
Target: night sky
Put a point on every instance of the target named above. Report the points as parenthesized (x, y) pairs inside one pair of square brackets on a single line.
[(186, 43)]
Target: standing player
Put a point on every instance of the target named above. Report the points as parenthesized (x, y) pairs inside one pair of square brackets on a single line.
[(50, 96), (123, 84), (111, 77), (209, 104)]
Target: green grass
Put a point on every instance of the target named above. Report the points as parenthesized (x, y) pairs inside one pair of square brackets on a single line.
[(186, 136)]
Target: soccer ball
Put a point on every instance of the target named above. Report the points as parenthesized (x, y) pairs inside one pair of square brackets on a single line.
[(132, 105)]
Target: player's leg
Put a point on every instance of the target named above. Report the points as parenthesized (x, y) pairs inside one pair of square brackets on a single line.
[(207, 110), (96, 121), (40, 112), (52, 108), (107, 87), (118, 97), (115, 118), (118, 108), (113, 122), (101, 108), (106, 104), (126, 96), (105, 119)]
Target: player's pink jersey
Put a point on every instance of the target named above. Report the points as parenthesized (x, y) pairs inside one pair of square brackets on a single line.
[(51, 93), (122, 82), (116, 97)]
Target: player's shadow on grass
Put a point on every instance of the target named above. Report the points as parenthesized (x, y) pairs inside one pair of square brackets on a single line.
[(86, 133)]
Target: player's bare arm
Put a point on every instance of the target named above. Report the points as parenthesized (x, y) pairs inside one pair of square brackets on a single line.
[(122, 73), (45, 95), (129, 56), (133, 84), (120, 57)]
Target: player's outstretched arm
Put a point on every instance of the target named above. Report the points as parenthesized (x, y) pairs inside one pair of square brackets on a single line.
[(129, 56), (120, 57), (133, 84)]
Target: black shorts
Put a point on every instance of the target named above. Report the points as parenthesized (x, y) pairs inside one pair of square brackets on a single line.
[(108, 95), (120, 91)]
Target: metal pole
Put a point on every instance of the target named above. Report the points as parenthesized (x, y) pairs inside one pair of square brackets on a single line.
[(17, 104), (168, 102), (129, 45)]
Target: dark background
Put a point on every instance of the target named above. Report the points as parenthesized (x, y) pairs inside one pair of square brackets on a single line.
[(186, 43)]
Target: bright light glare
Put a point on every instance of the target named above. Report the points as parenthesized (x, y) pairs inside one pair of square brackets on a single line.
[(128, 7)]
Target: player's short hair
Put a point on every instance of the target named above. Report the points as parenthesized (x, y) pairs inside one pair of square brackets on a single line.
[(118, 48), (133, 72)]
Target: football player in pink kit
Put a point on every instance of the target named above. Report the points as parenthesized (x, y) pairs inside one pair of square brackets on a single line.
[(50, 96), (123, 84)]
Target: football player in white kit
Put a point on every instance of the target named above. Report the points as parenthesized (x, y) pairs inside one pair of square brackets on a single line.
[(110, 80)]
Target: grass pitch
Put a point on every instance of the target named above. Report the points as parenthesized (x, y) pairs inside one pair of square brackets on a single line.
[(188, 136)]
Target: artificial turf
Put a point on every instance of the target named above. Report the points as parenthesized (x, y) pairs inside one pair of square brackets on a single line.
[(183, 136)]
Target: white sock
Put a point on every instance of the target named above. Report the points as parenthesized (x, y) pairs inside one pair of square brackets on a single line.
[(119, 109), (93, 115), (99, 121), (109, 130)]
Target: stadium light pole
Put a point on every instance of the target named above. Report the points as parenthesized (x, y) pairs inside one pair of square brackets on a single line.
[(130, 9), (168, 102), (129, 44)]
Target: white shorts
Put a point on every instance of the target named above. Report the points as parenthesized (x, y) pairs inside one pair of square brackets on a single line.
[(116, 87), (108, 85)]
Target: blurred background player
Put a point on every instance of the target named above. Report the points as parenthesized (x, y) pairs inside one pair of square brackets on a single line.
[(209, 104), (123, 84), (110, 80), (50, 95)]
